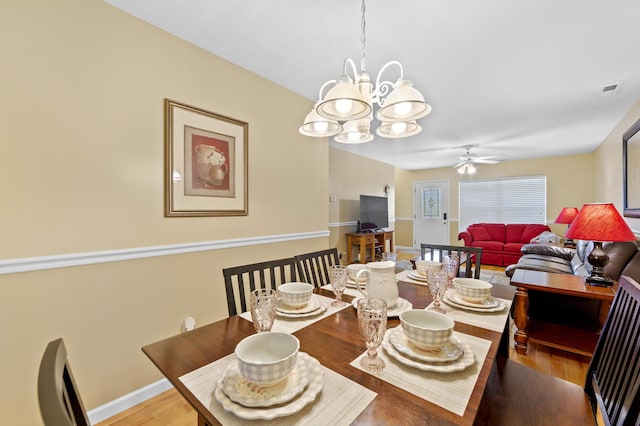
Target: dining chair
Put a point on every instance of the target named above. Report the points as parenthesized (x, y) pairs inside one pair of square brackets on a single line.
[(313, 268), (60, 402), (470, 257), (517, 394), (241, 280)]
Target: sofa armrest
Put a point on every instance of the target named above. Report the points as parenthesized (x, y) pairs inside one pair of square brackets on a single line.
[(548, 250), (466, 236)]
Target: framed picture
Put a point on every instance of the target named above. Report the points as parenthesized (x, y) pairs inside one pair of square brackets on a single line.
[(205, 162), (631, 170)]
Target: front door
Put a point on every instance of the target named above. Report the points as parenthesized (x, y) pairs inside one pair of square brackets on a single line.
[(431, 213)]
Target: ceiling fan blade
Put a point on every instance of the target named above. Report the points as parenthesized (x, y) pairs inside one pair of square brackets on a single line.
[(486, 161), (460, 164)]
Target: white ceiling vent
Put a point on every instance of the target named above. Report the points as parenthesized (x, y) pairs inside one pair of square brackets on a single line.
[(611, 89)]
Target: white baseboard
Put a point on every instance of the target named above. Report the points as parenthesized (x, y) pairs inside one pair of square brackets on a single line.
[(127, 401)]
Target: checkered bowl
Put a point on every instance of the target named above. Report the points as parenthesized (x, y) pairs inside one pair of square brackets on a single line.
[(424, 266), (266, 358), (472, 290), (426, 329), (295, 295)]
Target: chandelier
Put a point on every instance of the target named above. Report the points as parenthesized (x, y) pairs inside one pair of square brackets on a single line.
[(346, 110)]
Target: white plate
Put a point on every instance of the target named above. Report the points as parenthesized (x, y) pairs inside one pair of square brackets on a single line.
[(401, 306), (465, 361), (311, 306), (489, 303), (242, 391), (352, 283), (446, 299), (416, 276), (320, 309), (268, 413), (448, 353)]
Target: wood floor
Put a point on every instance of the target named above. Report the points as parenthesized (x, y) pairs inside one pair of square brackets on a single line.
[(170, 409)]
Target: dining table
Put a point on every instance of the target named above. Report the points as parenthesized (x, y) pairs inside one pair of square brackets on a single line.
[(191, 361)]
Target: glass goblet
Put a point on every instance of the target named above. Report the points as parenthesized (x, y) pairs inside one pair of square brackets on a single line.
[(451, 264), (372, 319), (263, 304), (437, 281), (338, 278)]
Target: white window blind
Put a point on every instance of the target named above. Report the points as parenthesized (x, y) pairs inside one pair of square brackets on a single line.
[(510, 200)]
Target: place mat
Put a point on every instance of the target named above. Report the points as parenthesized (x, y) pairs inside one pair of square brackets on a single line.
[(349, 291), (493, 321), (450, 391), (291, 325), (340, 401)]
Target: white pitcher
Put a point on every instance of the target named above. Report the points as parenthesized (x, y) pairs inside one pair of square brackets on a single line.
[(381, 281)]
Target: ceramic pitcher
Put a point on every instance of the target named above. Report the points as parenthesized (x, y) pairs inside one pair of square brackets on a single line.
[(380, 281)]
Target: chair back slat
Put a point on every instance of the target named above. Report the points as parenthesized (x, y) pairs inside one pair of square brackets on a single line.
[(473, 256), (313, 268), (613, 377), (241, 280)]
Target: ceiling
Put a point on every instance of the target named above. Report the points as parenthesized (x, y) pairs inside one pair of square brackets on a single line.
[(514, 79)]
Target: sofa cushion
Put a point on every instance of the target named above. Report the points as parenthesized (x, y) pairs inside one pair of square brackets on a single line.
[(547, 250), (513, 233), (532, 231), (479, 233), (496, 230), (619, 256), (488, 245), (513, 247)]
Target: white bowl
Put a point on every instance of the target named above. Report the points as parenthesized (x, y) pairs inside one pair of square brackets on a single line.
[(424, 266), (427, 329), (295, 294), (267, 358), (353, 268), (472, 290)]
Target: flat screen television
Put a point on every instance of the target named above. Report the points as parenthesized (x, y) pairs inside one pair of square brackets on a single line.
[(374, 212)]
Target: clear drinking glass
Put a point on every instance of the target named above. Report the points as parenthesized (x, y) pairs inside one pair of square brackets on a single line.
[(437, 281), (451, 264), (338, 278), (389, 255), (372, 319), (263, 304)]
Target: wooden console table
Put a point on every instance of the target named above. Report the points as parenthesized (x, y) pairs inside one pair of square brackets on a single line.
[(368, 242), (569, 338)]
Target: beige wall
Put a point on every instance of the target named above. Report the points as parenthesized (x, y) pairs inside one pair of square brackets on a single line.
[(81, 167), (349, 176), (569, 183)]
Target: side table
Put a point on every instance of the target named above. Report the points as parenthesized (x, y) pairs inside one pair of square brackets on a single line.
[(570, 338)]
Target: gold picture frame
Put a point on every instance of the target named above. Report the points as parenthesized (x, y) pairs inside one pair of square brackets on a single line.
[(206, 163)]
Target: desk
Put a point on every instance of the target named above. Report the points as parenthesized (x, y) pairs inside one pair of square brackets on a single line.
[(335, 341), (569, 338), (368, 242)]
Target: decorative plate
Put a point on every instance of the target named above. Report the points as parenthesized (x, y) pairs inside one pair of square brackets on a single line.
[(320, 309), (446, 299), (416, 276), (448, 353), (401, 306), (466, 360), (242, 391), (489, 303), (311, 306), (269, 413)]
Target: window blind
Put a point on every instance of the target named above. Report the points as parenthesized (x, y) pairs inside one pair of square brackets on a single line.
[(510, 200)]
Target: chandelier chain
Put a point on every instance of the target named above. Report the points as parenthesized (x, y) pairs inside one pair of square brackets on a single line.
[(363, 38)]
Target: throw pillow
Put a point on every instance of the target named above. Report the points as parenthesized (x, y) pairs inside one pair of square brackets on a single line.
[(479, 233), (547, 237)]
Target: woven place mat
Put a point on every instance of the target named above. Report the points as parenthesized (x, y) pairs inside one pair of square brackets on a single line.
[(339, 402), (450, 391), (291, 325), (349, 291), (494, 321)]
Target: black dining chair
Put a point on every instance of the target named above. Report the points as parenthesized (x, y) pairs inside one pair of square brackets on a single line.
[(470, 257), (241, 280), (517, 394), (313, 268), (58, 396)]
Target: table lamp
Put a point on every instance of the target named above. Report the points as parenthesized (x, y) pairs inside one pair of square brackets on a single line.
[(566, 217), (599, 222)]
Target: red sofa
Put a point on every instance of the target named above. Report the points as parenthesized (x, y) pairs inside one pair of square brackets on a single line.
[(500, 243)]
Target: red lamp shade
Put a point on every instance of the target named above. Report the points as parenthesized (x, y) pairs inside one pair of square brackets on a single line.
[(600, 222), (567, 215)]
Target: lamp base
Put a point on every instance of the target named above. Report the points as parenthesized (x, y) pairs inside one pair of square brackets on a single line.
[(599, 281)]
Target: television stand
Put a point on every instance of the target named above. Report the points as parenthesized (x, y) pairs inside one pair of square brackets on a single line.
[(367, 242)]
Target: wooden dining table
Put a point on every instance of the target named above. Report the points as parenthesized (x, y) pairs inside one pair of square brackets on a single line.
[(335, 341)]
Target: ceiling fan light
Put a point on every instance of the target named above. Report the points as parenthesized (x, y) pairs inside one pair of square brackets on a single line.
[(403, 104), (397, 130), (318, 127), (343, 102)]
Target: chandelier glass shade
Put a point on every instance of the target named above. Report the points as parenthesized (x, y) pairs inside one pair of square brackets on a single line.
[(347, 108)]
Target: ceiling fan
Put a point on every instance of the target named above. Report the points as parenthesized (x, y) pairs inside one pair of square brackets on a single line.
[(466, 163)]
